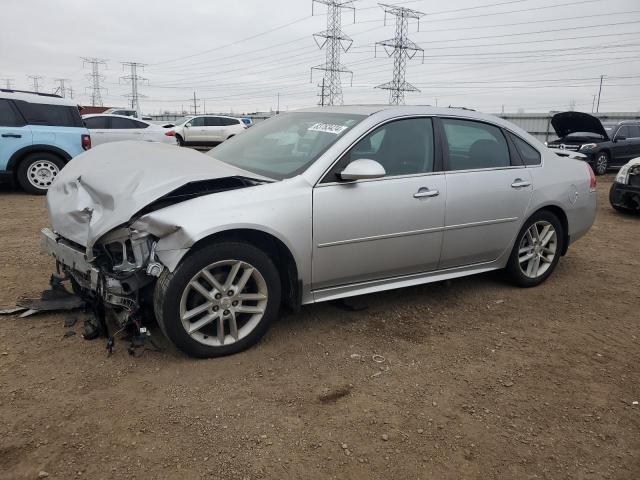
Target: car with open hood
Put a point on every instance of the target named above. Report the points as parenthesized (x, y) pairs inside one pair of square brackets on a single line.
[(624, 194), (604, 146), (309, 206)]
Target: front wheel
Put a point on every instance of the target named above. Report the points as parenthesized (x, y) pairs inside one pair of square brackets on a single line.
[(537, 250), (180, 141), (220, 300), (601, 164)]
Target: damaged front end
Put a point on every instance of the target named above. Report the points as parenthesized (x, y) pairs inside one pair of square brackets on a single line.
[(119, 276)]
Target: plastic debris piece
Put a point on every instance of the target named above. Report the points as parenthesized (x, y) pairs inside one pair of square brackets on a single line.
[(11, 311), (378, 358)]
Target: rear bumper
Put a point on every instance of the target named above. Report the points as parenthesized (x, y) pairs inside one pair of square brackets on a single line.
[(625, 196)]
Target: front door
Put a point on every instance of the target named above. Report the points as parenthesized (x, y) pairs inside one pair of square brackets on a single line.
[(14, 134), (621, 146), (487, 193), (196, 131), (386, 227)]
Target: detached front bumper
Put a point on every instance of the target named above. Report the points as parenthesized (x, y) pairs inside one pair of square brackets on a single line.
[(71, 258), (625, 196)]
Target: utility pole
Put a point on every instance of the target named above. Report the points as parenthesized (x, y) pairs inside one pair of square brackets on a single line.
[(599, 92), (35, 82), (322, 94), (204, 106), (133, 78), (402, 49), (278, 104), (195, 104), (95, 77), (62, 89), (7, 82), (335, 41), (593, 103)]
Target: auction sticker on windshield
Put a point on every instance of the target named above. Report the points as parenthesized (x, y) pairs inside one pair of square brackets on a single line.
[(327, 128)]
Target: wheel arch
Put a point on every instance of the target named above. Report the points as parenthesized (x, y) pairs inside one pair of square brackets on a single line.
[(275, 248), (20, 155)]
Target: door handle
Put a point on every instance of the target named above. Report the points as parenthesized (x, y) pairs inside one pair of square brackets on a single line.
[(519, 183), (11, 135), (425, 192)]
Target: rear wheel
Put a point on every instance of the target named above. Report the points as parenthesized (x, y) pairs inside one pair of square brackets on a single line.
[(537, 250), (37, 172), (220, 300), (602, 163)]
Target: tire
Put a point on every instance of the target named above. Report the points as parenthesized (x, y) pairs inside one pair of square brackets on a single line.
[(517, 269), (180, 141), (37, 171), (175, 298), (601, 163)]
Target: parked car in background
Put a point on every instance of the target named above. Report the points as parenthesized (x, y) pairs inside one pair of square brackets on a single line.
[(607, 146), (39, 134), (207, 130), (247, 121), (310, 206), (116, 128), (624, 194), (125, 112)]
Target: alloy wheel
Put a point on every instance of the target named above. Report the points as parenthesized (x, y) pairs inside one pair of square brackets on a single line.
[(223, 302), (42, 173), (538, 248), (601, 164)]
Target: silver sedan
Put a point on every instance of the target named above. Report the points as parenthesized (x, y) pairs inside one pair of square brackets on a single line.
[(308, 206)]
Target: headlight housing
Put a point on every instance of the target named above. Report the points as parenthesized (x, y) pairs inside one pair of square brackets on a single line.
[(588, 146), (623, 175)]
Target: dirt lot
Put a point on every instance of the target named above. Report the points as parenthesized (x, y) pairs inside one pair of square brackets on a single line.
[(478, 380)]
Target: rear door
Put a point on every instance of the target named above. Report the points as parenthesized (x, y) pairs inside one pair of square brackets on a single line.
[(99, 129), (14, 133), (488, 192), (124, 129), (214, 129)]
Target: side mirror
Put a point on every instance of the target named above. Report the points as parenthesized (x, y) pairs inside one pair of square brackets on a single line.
[(619, 137), (363, 169), (187, 125)]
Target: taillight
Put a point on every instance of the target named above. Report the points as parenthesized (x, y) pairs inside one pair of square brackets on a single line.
[(170, 133), (592, 179), (86, 141)]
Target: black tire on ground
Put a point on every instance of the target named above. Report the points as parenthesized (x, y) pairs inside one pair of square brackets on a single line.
[(170, 286), (601, 163), (180, 140), (26, 171), (515, 273)]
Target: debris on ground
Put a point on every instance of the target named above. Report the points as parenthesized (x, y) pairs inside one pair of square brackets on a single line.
[(57, 298), (12, 310), (333, 394)]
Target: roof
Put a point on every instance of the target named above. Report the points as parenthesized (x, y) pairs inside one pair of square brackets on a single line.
[(48, 99)]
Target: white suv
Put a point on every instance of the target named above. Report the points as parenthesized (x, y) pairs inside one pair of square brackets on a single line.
[(207, 130)]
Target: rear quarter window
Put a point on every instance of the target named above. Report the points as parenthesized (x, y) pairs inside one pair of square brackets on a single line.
[(50, 115), (528, 154)]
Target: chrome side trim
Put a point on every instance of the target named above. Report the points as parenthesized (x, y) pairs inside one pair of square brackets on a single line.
[(417, 232), (350, 290)]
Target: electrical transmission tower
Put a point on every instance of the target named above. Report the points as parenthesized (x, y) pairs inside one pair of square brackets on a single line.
[(402, 49), (133, 78), (95, 77), (334, 40), (7, 82), (35, 82), (62, 88)]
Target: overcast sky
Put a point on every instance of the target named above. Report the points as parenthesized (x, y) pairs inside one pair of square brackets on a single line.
[(535, 55)]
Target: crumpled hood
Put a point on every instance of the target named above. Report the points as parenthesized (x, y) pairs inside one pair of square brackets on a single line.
[(105, 186), (571, 122)]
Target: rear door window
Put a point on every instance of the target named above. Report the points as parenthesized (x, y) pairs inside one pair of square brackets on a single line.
[(51, 115), (96, 123), (634, 131), (474, 145), (122, 123), (528, 154), (213, 122), (8, 116)]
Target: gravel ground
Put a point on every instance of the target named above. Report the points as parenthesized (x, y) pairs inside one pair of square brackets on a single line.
[(474, 379)]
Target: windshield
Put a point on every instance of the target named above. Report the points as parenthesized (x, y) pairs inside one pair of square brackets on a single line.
[(285, 145)]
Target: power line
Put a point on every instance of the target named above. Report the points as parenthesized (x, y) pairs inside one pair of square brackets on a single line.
[(133, 78), (403, 49), (35, 82), (335, 41), (95, 77)]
